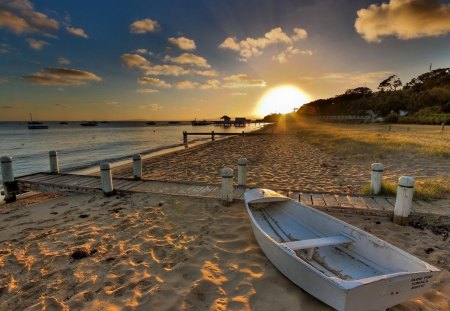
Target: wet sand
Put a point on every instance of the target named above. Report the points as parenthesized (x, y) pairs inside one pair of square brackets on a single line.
[(156, 252)]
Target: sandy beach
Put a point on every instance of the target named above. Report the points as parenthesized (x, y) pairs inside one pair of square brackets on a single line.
[(141, 252), (283, 161)]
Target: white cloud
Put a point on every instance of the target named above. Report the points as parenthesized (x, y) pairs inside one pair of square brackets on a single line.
[(210, 84), (186, 85), (147, 91), (254, 46), (289, 52), (154, 81), (153, 107), (405, 19), (165, 70), (183, 43), (36, 44), (188, 59), (77, 32), (143, 51), (144, 26), (205, 73), (63, 61), (299, 34), (242, 81), (239, 94)]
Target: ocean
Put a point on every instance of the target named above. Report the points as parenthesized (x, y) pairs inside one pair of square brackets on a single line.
[(80, 146)]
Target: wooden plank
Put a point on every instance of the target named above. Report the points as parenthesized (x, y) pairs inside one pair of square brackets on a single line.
[(238, 192), (130, 186), (343, 201), (391, 201), (381, 201), (372, 204), (35, 177), (294, 195), (76, 180), (319, 242), (357, 202), (92, 182), (56, 179), (330, 199), (42, 178), (305, 198), (119, 183), (317, 199)]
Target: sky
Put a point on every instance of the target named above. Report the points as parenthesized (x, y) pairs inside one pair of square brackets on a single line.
[(180, 60)]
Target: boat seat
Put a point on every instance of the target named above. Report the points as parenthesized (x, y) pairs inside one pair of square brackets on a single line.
[(310, 244)]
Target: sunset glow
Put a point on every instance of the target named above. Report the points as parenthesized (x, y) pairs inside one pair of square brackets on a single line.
[(282, 99)]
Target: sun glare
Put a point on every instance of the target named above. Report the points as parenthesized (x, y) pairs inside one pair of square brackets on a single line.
[(281, 99)]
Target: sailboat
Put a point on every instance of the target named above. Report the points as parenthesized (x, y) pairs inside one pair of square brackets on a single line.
[(35, 125)]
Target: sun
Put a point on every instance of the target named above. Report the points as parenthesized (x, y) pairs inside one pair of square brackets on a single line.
[(281, 99)]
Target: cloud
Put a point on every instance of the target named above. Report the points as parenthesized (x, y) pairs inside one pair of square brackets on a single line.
[(20, 17), (185, 85), (183, 43), (205, 73), (239, 94), (61, 77), (144, 25), (289, 52), (5, 48), (6, 107), (3, 80), (77, 32), (165, 70), (404, 19), (154, 81), (147, 91), (350, 78), (188, 59), (135, 61), (242, 81), (254, 46), (210, 84), (153, 107), (63, 61), (143, 51), (299, 34), (36, 44)]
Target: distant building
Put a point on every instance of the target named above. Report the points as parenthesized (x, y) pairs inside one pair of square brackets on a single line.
[(226, 119), (240, 122)]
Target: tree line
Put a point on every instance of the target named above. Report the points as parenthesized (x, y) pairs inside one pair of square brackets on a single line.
[(424, 99)]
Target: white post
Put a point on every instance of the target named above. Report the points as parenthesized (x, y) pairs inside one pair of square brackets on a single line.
[(242, 171), (137, 166), (54, 165), (107, 183), (227, 185), (376, 177), (8, 179), (403, 202)]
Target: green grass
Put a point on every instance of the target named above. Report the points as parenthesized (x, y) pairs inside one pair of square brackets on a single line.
[(429, 189)]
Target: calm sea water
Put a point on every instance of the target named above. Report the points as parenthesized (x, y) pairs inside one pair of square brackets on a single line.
[(80, 146)]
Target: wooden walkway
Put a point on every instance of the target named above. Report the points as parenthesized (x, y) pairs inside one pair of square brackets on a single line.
[(367, 205)]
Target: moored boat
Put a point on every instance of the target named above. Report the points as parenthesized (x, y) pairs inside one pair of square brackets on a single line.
[(342, 265), (89, 123), (35, 125)]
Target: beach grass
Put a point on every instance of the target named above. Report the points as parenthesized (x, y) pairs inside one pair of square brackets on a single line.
[(375, 140), (428, 189)]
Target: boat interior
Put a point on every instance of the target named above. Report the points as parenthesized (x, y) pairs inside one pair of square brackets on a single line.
[(333, 247)]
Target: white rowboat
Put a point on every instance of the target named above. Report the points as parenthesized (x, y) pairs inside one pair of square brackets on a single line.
[(341, 265)]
